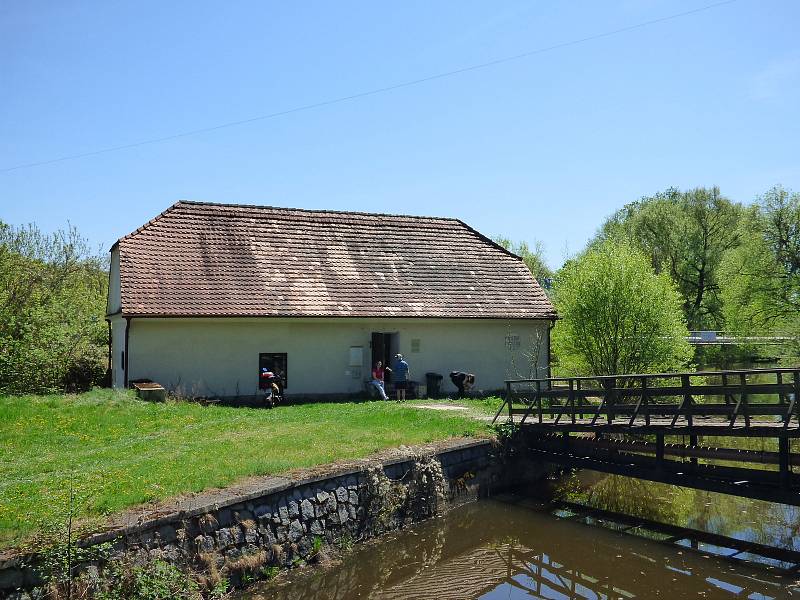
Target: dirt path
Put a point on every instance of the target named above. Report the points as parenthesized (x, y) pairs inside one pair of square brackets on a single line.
[(450, 406)]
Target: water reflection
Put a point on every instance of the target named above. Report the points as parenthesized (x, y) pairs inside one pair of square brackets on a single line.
[(500, 549), (767, 523)]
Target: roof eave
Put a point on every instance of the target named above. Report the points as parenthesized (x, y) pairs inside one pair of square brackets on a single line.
[(544, 317)]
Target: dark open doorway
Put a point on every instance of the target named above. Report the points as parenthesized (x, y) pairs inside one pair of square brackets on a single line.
[(275, 362), (384, 347)]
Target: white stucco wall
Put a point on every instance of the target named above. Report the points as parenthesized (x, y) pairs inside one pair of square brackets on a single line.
[(219, 357), (113, 304)]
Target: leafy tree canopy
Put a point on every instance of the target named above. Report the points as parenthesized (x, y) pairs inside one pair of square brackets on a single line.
[(686, 235), (617, 315), (761, 277), (52, 303)]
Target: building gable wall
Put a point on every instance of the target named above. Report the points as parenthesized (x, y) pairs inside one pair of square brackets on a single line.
[(114, 305)]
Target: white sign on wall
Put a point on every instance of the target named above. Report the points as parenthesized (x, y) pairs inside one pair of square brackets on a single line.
[(356, 356)]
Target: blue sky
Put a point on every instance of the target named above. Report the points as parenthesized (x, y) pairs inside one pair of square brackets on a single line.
[(539, 148)]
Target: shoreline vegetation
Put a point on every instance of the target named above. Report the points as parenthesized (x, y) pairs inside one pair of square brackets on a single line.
[(113, 451)]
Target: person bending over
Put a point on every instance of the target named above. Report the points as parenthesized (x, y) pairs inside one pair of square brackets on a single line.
[(463, 381)]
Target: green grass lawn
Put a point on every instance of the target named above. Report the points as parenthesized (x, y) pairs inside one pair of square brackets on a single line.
[(120, 451)]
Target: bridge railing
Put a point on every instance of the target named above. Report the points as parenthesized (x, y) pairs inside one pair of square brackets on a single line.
[(729, 394)]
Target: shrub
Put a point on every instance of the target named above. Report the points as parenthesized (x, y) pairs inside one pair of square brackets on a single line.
[(617, 315), (157, 580), (52, 303)]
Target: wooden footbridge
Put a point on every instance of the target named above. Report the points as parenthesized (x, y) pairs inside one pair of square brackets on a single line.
[(722, 431)]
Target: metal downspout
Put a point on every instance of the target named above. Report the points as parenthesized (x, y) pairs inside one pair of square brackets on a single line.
[(127, 335), (549, 362)]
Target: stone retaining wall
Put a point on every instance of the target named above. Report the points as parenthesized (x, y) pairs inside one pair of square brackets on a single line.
[(286, 522)]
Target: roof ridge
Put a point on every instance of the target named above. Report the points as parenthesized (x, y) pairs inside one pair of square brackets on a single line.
[(312, 210), (179, 203)]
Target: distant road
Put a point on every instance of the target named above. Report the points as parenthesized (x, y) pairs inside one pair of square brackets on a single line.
[(730, 339)]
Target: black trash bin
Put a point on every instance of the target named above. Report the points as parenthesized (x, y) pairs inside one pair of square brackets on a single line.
[(434, 383)]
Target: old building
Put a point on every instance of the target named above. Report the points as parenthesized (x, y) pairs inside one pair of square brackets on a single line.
[(204, 295)]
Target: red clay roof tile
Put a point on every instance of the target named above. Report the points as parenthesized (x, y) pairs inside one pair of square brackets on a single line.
[(200, 259)]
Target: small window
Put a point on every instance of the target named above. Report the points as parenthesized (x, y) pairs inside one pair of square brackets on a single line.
[(275, 362), (512, 341), (415, 345)]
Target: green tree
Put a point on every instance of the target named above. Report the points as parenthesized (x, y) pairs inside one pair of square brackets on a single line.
[(52, 303), (685, 234), (761, 278), (617, 315), (533, 258)]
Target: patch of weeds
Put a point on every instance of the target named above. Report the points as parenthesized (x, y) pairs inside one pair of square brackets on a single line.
[(385, 499), (316, 553), (316, 545), (248, 562), (346, 543), (220, 589), (157, 580), (506, 431), (211, 578), (58, 555), (247, 567), (270, 572), (569, 488)]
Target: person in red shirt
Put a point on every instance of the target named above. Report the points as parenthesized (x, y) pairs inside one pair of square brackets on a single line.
[(377, 379)]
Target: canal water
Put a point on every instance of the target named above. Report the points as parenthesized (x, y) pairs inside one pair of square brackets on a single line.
[(512, 547)]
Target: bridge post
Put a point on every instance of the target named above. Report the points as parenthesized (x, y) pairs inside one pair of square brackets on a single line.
[(572, 398), (728, 397), (743, 399), (784, 467), (693, 445), (796, 398), (660, 450), (539, 399), (688, 400), (610, 385), (510, 400)]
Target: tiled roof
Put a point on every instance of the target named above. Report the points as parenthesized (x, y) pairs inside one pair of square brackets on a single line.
[(199, 259)]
